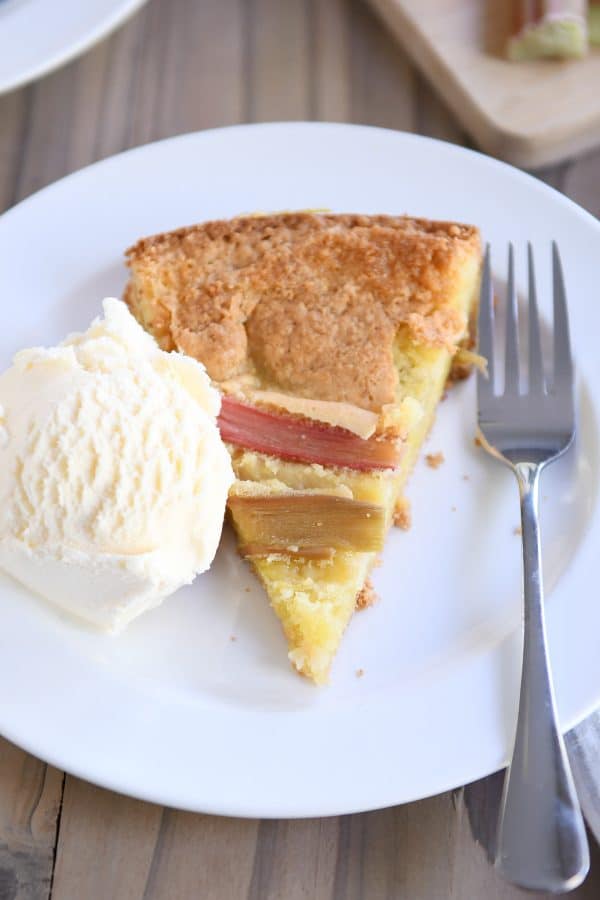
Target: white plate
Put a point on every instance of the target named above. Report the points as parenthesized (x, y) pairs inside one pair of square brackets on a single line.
[(37, 36), (174, 711)]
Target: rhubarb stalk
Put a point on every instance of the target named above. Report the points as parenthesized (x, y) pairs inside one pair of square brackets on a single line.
[(555, 29), (594, 22), (299, 522), (302, 440)]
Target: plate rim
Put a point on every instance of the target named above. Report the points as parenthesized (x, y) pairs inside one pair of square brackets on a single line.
[(301, 125)]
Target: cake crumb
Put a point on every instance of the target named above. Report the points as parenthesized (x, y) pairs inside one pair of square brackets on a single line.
[(434, 460), (453, 509), (232, 637), (517, 530), (401, 517), (360, 673), (477, 442), (367, 596), (247, 590), (466, 478)]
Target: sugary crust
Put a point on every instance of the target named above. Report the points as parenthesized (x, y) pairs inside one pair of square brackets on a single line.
[(309, 301)]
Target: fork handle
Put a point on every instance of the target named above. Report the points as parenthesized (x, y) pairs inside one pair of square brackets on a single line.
[(541, 841)]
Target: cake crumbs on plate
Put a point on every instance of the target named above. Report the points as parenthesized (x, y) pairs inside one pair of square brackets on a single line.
[(477, 442), (401, 517), (367, 596), (434, 460), (466, 478), (360, 673), (232, 637), (517, 530)]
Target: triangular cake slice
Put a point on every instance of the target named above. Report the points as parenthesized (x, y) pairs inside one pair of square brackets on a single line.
[(331, 338)]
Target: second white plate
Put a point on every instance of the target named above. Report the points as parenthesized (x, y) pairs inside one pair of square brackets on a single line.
[(37, 36)]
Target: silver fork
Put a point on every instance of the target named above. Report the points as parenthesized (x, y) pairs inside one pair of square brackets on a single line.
[(541, 842)]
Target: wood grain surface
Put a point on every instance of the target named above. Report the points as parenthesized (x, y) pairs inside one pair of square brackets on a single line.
[(177, 66)]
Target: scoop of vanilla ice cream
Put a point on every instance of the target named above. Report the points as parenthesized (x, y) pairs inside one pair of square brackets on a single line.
[(113, 475)]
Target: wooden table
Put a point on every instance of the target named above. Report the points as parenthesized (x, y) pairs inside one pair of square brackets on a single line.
[(182, 65)]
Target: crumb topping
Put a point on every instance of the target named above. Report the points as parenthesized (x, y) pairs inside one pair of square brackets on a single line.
[(310, 301)]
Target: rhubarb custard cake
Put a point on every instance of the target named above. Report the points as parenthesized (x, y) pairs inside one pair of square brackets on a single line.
[(331, 339)]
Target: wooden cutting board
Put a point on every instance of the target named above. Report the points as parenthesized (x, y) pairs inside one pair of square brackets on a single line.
[(531, 114)]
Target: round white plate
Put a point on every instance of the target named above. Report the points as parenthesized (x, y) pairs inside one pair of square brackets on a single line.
[(178, 712), (37, 36)]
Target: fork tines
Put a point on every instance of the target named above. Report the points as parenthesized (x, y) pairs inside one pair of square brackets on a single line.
[(562, 374)]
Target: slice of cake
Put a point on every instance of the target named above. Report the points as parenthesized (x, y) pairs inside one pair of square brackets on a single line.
[(331, 338)]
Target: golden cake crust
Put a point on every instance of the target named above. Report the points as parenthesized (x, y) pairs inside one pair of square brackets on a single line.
[(309, 302)]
